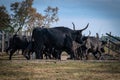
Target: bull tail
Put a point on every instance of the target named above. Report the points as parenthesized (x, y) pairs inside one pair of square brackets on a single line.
[(85, 27)]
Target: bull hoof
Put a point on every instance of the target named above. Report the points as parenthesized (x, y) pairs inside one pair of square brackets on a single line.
[(27, 57), (9, 58)]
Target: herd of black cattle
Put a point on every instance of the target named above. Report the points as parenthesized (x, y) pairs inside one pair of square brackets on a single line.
[(51, 42)]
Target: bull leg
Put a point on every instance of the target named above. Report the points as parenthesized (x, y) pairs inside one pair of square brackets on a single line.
[(39, 49), (37, 54), (75, 54), (11, 53), (8, 52), (49, 55), (46, 55), (50, 52), (94, 53), (80, 54), (23, 51), (8, 49), (71, 53), (54, 53), (83, 54), (99, 55), (59, 55), (86, 54), (28, 55), (41, 55), (86, 57), (24, 54)]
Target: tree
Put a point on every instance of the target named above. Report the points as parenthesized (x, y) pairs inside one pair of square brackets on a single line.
[(35, 20), (24, 15), (50, 15), (4, 18)]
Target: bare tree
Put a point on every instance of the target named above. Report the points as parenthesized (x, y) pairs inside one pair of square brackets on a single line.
[(51, 15)]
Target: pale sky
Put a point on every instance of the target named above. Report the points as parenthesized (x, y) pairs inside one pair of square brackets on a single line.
[(102, 15)]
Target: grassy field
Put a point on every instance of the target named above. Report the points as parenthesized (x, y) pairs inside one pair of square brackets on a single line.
[(22, 69)]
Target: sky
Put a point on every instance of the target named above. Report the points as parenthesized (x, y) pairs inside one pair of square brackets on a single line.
[(103, 16)]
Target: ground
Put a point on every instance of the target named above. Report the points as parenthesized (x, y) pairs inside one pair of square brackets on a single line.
[(21, 69)]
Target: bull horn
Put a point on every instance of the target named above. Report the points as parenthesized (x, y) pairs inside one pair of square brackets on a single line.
[(85, 27), (89, 33), (73, 26), (97, 35)]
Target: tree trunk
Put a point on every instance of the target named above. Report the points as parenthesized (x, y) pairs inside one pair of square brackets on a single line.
[(3, 42)]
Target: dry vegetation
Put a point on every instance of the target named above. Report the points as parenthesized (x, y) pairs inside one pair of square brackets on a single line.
[(21, 69)]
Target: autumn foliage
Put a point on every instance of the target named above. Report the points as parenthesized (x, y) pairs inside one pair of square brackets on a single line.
[(24, 16)]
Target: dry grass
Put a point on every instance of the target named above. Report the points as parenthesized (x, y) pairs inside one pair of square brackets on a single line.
[(21, 69)]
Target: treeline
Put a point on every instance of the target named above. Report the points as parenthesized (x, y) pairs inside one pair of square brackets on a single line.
[(25, 16)]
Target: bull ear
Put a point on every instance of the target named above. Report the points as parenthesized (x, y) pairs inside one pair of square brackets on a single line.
[(84, 38), (85, 28)]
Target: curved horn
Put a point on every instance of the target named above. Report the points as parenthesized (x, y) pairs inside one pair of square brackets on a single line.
[(73, 26), (85, 27)]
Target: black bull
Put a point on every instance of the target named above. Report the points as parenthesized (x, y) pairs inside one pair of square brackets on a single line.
[(60, 38), (17, 43)]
